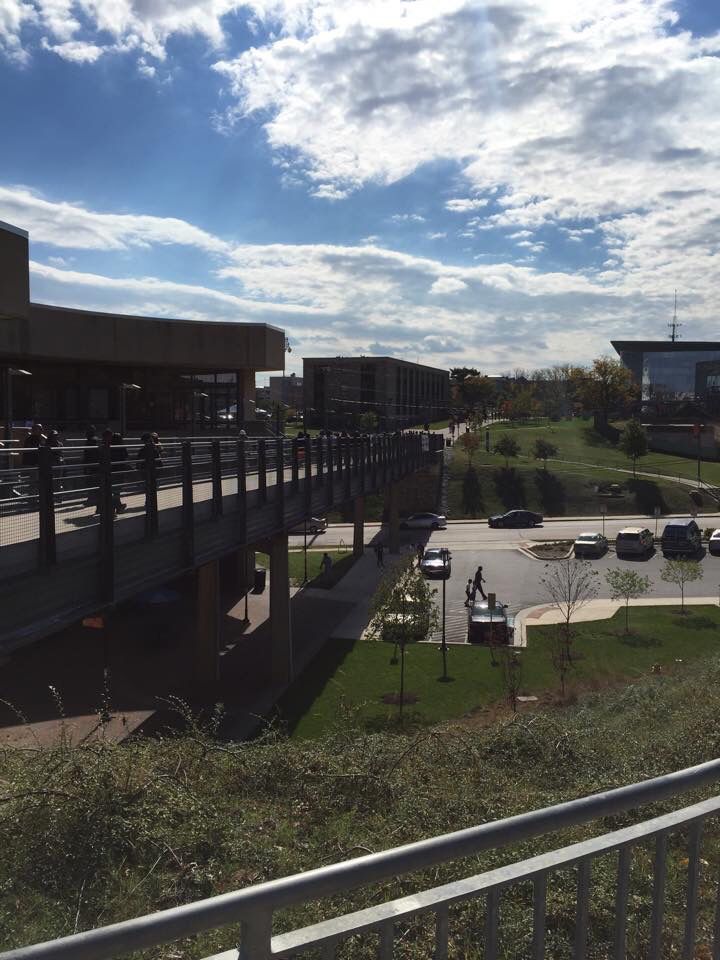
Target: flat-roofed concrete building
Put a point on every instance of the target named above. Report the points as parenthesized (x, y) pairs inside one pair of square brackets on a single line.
[(287, 390), (338, 390), (193, 375)]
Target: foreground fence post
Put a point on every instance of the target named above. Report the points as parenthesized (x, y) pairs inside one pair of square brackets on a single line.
[(241, 467), (46, 508), (262, 469), (151, 503), (280, 480), (107, 528), (188, 507), (216, 465)]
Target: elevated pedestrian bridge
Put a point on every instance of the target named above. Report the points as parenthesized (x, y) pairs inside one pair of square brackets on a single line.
[(66, 552)]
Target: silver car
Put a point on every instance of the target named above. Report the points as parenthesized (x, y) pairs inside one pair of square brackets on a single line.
[(424, 521), (314, 525), (432, 563)]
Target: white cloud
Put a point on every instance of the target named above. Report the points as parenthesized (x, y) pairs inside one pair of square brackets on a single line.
[(75, 50), (71, 225), (465, 204), (407, 218), (445, 285), (438, 235)]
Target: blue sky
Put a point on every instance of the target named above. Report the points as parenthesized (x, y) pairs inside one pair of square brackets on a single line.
[(509, 184)]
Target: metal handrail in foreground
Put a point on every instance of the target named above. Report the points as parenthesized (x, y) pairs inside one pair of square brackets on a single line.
[(253, 907)]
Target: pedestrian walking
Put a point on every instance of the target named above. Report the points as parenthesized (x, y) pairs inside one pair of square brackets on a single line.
[(469, 593), (58, 457), (420, 551), (478, 582), (379, 554), (326, 564)]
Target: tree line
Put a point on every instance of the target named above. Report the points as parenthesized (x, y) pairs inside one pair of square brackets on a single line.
[(603, 387)]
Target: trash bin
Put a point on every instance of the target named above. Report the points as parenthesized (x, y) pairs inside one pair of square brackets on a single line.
[(259, 582), (448, 442)]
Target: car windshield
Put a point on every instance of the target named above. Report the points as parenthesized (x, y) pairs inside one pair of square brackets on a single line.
[(675, 533), (588, 538), (628, 536), (433, 555)]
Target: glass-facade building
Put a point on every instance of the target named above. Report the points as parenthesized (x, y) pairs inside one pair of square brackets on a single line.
[(668, 371)]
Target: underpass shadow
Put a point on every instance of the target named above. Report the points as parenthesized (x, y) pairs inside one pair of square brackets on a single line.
[(552, 492), (472, 497), (295, 703), (510, 487)]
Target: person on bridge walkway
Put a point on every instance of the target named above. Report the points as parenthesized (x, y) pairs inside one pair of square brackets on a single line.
[(479, 581)]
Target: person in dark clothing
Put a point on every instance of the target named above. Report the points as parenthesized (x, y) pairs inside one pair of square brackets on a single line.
[(34, 439), (478, 581), (58, 457), (91, 459), (379, 548), (119, 465)]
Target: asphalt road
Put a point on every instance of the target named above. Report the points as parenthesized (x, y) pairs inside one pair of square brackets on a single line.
[(514, 577), (477, 532)]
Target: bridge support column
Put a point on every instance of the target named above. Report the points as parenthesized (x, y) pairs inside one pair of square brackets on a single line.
[(359, 527), (205, 661), (391, 499), (280, 625)]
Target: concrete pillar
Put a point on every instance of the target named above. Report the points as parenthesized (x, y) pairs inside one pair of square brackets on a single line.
[(393, 518), (359, 527), (205, 660), (280, 626)]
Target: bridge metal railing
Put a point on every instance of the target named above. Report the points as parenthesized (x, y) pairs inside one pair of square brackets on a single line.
[(252, 910), (46, 492)]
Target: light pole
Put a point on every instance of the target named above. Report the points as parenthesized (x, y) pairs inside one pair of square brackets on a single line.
[(124, 387), (11, 372), (444, 556)]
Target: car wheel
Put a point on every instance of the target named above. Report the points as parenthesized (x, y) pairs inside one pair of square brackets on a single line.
[(434, 526)]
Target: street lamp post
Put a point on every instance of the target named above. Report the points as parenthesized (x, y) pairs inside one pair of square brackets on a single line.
[(124, 387), (444, 555), (11, 372)]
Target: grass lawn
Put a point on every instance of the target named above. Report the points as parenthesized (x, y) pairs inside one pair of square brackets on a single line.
[(562, 490), (356, 674), (577, 440), (342, 562)]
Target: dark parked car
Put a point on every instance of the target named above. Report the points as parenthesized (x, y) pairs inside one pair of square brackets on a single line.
[(681, 537), (515, 518)]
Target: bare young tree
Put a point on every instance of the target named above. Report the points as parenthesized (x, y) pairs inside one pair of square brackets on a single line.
[(511, 662), (403, 611), (627, 585), (681, 572), (569, 585)]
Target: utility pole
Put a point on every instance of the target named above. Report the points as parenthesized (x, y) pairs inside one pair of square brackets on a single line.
[(674, 323)]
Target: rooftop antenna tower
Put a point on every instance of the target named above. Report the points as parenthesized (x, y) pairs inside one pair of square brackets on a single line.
[(674, 323)]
